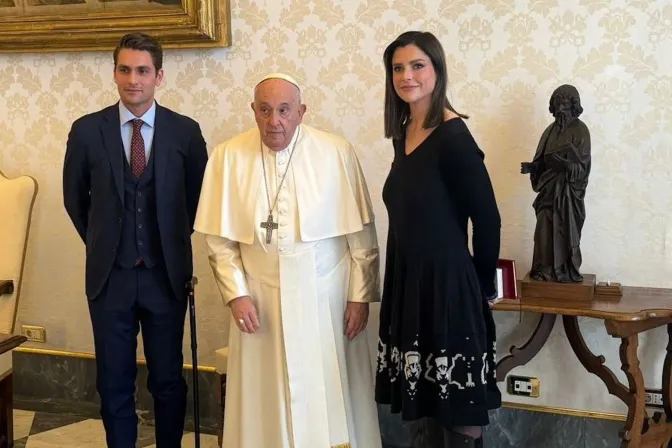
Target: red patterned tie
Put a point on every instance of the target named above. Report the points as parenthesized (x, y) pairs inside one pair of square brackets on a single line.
[(137, 156), (138, 161)]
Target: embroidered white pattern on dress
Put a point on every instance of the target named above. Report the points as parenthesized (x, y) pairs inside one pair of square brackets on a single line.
[(442, 376), (494, 356), (412, 371), (430, 367), (484, 368), (456, 371), (395, 367), (382, 356)]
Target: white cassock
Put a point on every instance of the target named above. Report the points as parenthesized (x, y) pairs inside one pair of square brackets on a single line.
[(298, 382)]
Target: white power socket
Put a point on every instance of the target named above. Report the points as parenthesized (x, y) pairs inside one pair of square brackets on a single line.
[(523, 385), (653, 398)]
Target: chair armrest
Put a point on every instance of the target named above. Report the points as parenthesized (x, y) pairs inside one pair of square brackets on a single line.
[(6, 287), (10, 341)]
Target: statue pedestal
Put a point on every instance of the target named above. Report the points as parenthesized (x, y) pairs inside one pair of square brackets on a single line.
[(582, 292)]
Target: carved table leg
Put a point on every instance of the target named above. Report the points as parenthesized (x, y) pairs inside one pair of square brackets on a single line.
[(658, 430), (667, 375), (640, 431), (523, 355), (593, 364), (632, 396), (632, 433)]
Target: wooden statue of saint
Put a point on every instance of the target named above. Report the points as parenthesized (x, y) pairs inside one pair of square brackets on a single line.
[(559, 175)]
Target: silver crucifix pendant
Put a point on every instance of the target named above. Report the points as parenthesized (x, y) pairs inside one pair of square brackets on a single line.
[(269, 225)]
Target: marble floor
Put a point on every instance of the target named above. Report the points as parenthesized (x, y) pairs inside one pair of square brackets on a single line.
[(44, 430)]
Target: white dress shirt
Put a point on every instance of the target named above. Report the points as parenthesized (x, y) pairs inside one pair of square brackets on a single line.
[(147, 129)]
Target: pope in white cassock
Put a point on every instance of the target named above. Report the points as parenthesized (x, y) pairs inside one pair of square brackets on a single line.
[(292, 242)]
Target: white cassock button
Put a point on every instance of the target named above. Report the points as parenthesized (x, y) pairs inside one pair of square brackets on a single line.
[(282, 249), (283, 224), (281, 162), (283, 236)]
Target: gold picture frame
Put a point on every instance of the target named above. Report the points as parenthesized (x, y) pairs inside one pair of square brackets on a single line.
[(40, 26)]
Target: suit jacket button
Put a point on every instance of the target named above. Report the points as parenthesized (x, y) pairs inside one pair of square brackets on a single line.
[(114, 248), (120, 219)]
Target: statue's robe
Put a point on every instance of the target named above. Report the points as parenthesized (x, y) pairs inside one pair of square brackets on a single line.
[(562, 162)]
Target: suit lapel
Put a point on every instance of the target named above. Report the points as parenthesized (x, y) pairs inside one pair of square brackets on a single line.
[(161, 145), (111, 131)]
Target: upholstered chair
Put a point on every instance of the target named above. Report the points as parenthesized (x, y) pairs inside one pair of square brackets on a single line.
[(17, 198)]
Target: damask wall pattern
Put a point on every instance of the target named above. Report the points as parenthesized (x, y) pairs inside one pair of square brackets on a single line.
[(505, 58)]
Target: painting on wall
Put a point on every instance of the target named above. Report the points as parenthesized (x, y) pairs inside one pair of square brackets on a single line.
[(92, 25)]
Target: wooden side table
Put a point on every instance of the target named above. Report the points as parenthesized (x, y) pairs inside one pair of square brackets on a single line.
[(639, 310)]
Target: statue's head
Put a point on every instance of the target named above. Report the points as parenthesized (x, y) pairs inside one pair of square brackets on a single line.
[(565, 105)]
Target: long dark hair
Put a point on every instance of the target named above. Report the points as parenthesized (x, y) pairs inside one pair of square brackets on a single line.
[(397, 111)]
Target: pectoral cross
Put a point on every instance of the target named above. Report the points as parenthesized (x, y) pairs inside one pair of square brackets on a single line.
[(269, 225)]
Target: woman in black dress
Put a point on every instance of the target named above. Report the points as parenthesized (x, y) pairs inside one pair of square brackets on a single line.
[(437, 336)]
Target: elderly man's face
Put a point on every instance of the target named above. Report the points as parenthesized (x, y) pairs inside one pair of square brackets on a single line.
[(278, 111)]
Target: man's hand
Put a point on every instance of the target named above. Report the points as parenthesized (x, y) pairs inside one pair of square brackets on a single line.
[(244, 312), (356, 318)]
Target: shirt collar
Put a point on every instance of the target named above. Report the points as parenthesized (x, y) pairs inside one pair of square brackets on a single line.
[(126, 115)]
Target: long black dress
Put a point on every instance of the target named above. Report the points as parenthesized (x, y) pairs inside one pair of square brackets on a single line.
[(436, 344)]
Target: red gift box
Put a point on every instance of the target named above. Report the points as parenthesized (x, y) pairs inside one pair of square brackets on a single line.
[(506, 280)]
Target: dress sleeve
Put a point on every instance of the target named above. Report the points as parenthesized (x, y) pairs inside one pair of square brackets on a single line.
[(390, 261), (470, 187)]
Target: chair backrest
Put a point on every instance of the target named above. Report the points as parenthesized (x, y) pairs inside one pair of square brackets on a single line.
[(17, 198)]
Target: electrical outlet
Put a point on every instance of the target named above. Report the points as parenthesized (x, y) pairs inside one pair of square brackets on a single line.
[(33, 333), (653, 398), (523, 386)]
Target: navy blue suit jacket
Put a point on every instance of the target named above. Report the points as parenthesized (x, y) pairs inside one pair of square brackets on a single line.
[(93, 177)]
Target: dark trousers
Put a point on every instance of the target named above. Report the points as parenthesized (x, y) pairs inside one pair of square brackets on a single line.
[(135, 299)]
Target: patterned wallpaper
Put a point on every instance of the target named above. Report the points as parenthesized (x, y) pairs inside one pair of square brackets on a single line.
[(505, 58)]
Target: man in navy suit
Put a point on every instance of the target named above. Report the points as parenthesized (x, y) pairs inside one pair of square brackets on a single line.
[(131, 182)]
